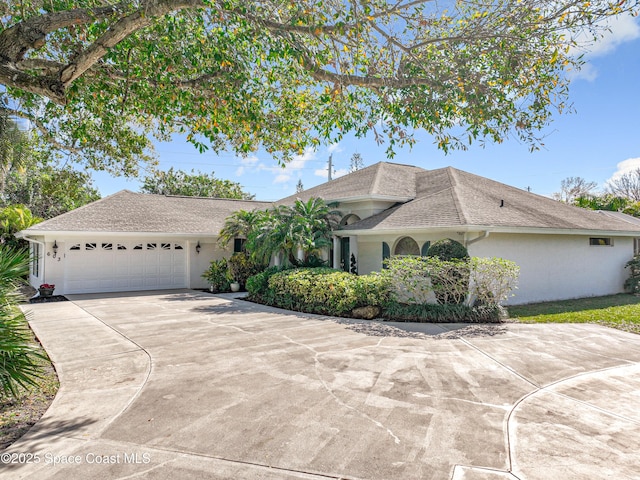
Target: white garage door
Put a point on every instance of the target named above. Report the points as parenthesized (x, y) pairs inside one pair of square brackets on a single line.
[(117, 266)]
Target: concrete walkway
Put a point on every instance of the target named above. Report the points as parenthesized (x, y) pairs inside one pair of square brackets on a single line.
[(186, 385)]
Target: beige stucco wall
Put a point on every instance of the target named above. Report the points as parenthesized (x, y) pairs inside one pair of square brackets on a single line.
[(554, 267), (199, 262)]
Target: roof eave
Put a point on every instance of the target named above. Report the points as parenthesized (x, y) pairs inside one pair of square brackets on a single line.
[(492, 229)]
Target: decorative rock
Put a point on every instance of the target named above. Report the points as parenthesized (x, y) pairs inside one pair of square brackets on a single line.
[(367, 313)]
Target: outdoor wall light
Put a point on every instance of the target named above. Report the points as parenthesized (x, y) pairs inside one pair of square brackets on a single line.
[(55, 248), (198, 247)]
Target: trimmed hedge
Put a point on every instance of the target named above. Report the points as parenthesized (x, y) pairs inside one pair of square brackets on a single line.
[(318, 290), (436, 313)]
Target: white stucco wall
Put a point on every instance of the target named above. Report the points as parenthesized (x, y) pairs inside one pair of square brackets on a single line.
[(199, 262), (555, 267)]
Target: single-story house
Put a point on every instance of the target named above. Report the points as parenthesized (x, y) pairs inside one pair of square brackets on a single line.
[(132, 241)]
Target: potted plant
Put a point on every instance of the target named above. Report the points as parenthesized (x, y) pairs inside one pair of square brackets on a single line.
[(235, 286), (46, 289)]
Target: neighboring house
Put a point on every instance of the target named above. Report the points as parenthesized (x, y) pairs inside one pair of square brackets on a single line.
[(387, 209)]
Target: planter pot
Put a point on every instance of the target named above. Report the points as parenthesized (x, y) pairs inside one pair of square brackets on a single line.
[(45, 292), (235, 287)]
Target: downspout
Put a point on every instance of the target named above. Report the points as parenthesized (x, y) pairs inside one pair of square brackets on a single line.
[(43, 262), (482, 236)]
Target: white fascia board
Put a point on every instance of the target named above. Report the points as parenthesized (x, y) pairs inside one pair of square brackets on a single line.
[(84, 234), (491, 229)]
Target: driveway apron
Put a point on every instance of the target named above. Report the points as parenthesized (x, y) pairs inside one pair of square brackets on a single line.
[(183, 384)]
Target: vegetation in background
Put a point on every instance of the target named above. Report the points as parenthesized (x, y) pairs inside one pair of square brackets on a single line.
[(242, 266), (12, 220), (194, 184)]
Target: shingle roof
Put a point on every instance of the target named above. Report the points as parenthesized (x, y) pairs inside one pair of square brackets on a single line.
[(383, 179), (447, 198), (131, 212)]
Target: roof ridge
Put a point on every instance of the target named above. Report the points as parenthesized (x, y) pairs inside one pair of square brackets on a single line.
[(454, 194), (376, 178)]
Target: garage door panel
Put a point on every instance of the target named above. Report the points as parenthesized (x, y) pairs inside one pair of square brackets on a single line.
[(105, 265)]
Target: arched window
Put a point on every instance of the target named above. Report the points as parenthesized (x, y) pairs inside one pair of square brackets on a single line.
[(349, 219), (425, 248), (406, 246)]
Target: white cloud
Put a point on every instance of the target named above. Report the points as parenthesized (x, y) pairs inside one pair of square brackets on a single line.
[(291, 169), (334, 148), (249, 161), (322, 172), (626, 166), (621, 29)]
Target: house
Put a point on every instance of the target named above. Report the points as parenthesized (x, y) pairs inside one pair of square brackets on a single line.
[(136, 241), (131, 241)]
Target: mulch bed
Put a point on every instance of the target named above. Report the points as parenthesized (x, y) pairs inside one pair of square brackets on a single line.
[(52, 298)]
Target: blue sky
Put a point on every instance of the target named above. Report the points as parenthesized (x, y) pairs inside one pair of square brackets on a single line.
[(599, 141)]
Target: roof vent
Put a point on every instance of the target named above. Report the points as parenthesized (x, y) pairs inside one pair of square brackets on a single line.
[(501, 203)]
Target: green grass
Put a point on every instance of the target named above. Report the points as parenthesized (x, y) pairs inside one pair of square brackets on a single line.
[(618, 311)]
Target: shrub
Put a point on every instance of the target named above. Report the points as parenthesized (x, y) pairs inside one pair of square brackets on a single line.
[(218, 276), (241, 266), (492, 280), (258, 284), (18, 356), (320, 290), (448, 250), (434, 313), (419, 280)]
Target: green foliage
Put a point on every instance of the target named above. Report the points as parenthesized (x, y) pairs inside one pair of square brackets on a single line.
[(322, 290), (242, 266), (421, 280), (448, 249), (12, 220), (194, 184), (632, 284), (258, 285), (435, 313), (240, 224), (48, 190), (18, 356), (304, 227), (492, 280), (218, 276), (288, 77)]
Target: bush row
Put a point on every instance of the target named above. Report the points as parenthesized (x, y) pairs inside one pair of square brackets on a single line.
[(411, 289)]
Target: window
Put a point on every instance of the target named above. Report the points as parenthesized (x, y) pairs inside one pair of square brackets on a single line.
[(75, 246), (425, 248), (386, 253), (35, 259), (407, 246), (238, 244), (121, 247), (90, 246), (177, 246), (151, 246), (107, 246), (138, 247), (601, 241), (165, 246)]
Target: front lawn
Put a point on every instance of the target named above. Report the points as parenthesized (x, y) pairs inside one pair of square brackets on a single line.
[(620, 311)]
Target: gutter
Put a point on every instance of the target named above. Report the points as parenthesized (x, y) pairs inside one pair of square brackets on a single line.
[(477, 239)]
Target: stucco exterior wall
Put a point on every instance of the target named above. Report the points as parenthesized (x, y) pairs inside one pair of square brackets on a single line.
[(555, 267), (199, 262)]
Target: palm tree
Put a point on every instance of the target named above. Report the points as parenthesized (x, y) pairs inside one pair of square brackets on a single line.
[(18, 356), (240, 225)]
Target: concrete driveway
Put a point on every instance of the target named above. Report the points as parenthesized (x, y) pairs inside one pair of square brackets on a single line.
[(185, 385)]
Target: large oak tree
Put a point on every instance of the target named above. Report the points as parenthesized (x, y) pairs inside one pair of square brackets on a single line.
[(99, 79)]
